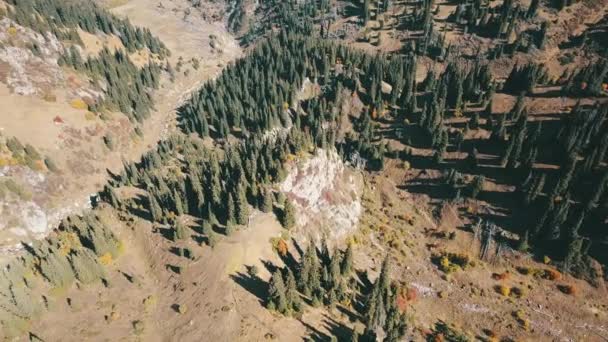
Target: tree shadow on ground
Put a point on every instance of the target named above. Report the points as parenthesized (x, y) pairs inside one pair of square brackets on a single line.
[(253, 284)]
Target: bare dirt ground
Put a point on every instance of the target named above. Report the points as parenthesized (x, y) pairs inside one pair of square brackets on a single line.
[(76, 144)]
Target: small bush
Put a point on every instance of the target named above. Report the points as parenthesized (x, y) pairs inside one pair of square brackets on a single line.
[(50, 164), (106, 259), (12, 30), (517, 292), (149, 303), (108, 139), (32, 152), (551, 274), (89, 116), (503, 290), (79, 104), (138, 327), (114, 316), (49, 97), (253, 271), (519, 316), (33, 164), (567, 289), (452, 262), (14, 145), (182, 308), (501, 276)]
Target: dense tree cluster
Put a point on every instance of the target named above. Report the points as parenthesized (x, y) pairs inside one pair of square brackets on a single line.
[(564, 206), (382, 312), (259, 93), (127, 87), (524, 78), (321, 277), (325, 278), (458, 85), (495, 22), (295, 16), (589, 80), (58, 17), (217, 186)]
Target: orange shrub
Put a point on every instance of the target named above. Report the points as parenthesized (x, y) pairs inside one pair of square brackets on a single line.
[(282, 247), (551, 274), (411, 294), (105, 259), (500, 276), (401, 301)]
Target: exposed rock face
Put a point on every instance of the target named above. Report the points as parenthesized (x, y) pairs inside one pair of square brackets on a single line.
[(25, 72), (327, 196), (29, 215)]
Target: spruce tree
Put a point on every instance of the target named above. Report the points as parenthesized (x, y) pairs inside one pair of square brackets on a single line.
[(241, 206), (155, 210), (347, 262), (292, 296), (477, 186), (277, 293), (267, 201), (230, 209), (180, 231), (288, 217)]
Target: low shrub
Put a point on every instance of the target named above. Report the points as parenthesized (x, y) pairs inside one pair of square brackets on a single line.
[(551, 274), (503, 290), (50, 164), (138, 327), (517, 292), (519, 316), (79, 104), (452, 262), (500, 276), (567, 289), (149, 303)]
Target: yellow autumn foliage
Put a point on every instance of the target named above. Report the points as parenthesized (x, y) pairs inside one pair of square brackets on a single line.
[(79, 104), (106, 259)]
